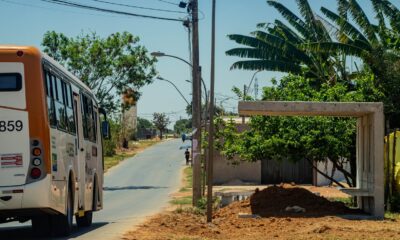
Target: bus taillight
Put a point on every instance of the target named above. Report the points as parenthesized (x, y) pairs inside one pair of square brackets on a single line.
[(37, 161), (36, 173), (36, 152)]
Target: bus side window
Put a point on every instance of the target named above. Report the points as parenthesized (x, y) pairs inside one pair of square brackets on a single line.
[(70, 111), (84, 116), (90, 120), (50, 101), (60, 108), (94, 124)]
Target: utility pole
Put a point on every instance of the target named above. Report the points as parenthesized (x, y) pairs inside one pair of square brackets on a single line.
[(196, 104), (211, 126)]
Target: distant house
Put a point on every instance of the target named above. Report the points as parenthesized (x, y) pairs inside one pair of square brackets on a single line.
[(269, 171), (146, 133)]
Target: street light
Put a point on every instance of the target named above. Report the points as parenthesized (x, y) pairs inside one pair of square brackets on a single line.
[(161, 54), (196, 111), (177, 89), (248, 87), (244, 91)]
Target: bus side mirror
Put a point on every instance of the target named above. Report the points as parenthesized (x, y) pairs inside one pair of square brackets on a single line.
[(105, 130)]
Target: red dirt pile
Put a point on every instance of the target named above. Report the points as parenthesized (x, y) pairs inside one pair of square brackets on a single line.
[(272, 202)]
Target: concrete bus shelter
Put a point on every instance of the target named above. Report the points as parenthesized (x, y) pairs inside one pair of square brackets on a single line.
[(369, 188)]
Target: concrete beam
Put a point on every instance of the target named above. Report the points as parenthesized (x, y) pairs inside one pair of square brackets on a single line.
[(370, 137), (334, 109)]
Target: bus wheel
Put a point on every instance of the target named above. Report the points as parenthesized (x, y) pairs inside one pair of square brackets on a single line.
[(62, 224), (87, 218), (41, 225)]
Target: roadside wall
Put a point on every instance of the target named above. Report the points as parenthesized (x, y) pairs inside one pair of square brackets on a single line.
[(226, 174), (326, 167)]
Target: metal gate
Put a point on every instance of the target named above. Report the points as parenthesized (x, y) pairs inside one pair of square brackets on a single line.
[(273, 172)]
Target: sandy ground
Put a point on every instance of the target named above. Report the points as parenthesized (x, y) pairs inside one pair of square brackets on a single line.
[(321, 220), (190, 226)]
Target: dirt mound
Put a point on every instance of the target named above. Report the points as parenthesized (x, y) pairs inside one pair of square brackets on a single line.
[(272, 202)]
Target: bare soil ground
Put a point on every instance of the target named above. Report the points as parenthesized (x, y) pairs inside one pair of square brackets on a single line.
[(320, 221)]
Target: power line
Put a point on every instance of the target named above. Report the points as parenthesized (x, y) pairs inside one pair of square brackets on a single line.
[(172, 3), (77, 5), (139, 7), (50, 8)]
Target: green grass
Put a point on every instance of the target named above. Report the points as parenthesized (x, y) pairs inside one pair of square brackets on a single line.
[(188, 175), (392, 215), (182, 201), (115, 160)]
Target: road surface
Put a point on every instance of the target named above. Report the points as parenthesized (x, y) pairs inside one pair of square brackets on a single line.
[(136, 188)]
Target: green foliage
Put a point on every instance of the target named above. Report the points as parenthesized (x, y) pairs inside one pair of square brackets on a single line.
[(110, 145), (183, 126), (298, 138), (160, 121), (110, 66), (317, 48), (144, 123)]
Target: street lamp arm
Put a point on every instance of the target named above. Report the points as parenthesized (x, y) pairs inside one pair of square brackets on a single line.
[(183, 60), (251, 81), (177, 89)]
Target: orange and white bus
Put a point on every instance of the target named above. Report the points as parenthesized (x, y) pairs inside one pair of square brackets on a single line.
[(51, 161)]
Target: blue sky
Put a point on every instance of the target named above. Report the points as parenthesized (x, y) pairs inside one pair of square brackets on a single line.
[(23, 22)]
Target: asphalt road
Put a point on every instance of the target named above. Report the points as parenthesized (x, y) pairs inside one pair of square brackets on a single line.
[(137, 188)]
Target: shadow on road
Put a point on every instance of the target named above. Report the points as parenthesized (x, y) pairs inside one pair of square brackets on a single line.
[(131, 188), (25, 232)]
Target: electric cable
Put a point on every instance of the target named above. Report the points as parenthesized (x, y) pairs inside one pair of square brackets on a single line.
[(77, 5), (138, 7)]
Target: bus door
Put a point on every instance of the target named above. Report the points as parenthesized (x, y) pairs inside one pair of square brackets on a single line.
[(81, 163)]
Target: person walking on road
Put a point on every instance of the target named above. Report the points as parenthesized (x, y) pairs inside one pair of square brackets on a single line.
[(187, 156)]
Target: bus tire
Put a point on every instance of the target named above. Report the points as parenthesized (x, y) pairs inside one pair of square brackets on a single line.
[(41, 225), (87, 219), (62, 224)]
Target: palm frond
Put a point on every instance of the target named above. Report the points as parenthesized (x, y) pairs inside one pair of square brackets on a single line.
[(306, 11), (292, 18), (362, 20), (290, 35), (268, 65), (343, 6), (249, 41), (271, 54), (391, 11), (334, 47), (290, 50), (381, 28), (345, 26)]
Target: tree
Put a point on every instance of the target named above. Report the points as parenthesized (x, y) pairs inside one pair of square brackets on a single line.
[(112, 66), (183, 126), (316, 48), (297, 138), (279, 47), (376, 45), (218, 110), (160, 121), (144, 123)]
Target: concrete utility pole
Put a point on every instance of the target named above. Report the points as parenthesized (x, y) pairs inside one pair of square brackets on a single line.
[(211, 126), (196, 104)]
